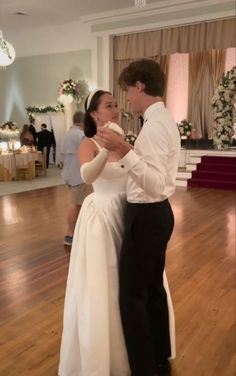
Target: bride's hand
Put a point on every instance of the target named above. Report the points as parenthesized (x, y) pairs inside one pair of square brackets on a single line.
[(112, 141), (114, 127), (108, 138)]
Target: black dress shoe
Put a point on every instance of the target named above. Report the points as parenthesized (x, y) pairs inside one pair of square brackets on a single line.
[(164, 369)]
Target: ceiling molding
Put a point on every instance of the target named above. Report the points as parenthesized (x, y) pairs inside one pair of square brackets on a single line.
[(163, 24), (160, 7), (168, 19)]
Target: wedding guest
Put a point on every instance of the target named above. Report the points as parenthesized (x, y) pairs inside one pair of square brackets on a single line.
[(26, 137), (71, 173), (33, 131), (45, 139)]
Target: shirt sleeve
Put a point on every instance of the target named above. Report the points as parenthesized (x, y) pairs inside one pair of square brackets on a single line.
[(147, 164)]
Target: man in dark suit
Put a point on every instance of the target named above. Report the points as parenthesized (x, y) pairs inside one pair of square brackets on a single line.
[(33, 131), (45, 138)]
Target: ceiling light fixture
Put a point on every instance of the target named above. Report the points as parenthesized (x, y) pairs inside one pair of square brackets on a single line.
[(7, 52), (140, 3)]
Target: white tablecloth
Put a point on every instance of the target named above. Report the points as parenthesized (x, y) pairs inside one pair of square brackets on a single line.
[(7, 165)]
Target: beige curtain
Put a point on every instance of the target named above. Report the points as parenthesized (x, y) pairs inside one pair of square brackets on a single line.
[(130, 124), (205, 69), (195, 39), (190, 38), (164, 62), (133, 124)]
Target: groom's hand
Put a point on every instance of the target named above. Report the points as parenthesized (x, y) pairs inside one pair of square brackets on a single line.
[(113, 141)]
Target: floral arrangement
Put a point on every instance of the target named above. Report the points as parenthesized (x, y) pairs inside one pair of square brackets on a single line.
[(223, 109), (130, 138), (185, 128), (125, 114), (9, 131), (69, 88)]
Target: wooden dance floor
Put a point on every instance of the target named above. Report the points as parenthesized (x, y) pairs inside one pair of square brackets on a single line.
[(200, 269)]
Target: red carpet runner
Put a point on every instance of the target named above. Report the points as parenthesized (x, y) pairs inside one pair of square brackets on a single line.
[(215, 172)]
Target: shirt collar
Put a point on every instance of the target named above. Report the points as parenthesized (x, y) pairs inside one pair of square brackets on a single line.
[(151, 109)]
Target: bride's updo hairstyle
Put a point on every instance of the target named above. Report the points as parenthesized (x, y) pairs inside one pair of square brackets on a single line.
[(91, 104)]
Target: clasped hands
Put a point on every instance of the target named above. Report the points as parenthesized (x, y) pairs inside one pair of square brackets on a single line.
[(112, 140)]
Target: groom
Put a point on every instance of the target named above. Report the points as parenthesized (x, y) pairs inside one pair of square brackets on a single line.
[(152, 168)]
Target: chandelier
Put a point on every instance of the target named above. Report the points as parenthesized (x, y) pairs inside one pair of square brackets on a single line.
[(7, 52), (140, 3)]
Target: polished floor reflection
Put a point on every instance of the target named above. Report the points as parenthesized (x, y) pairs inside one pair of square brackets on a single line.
[(200, 268)]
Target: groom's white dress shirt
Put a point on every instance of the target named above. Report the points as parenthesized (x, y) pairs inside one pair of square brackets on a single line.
[(152, 165)]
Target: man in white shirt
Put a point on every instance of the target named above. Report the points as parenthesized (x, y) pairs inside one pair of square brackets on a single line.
[(152, 168), (71, 173)]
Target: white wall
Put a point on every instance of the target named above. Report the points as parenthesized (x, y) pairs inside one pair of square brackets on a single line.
[(91, 42), (45, 56), (72, 36), (34, 81)]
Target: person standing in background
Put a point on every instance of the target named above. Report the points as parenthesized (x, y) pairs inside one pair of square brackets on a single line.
[(26, 137), (71, 173), (45, 138), (33, 131)]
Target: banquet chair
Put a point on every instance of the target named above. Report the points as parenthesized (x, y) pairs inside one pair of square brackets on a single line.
[(21, 172), (41, 166)]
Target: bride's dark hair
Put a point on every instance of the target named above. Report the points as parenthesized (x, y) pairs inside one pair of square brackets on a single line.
[(90, 128)]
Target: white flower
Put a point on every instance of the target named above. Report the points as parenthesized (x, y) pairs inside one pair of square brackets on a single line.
[(223, 103)]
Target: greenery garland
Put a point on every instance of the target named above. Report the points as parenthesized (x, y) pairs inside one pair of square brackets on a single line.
[(31, 110), (223, 109), (44, 109)]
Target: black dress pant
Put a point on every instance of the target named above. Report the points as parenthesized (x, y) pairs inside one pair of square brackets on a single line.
[(143, 300)]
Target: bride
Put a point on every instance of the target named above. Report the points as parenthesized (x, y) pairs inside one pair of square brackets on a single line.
[(92, 339)]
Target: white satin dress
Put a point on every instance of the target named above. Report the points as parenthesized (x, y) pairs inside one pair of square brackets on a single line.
[(92, 339)]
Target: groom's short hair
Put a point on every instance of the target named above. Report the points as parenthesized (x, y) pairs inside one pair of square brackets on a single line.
[(148, 72)]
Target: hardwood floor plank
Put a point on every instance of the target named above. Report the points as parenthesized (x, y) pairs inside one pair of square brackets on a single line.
[(200, 269)]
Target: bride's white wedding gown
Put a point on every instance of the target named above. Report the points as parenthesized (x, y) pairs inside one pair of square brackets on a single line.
[(92, 340)]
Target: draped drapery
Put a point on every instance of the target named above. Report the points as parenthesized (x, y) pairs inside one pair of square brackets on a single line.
[(183, 39), (160, 44), (205, 69)]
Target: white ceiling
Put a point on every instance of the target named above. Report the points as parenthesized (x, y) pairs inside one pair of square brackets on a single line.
[(67, 25), (58, 12), (55, 12)]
